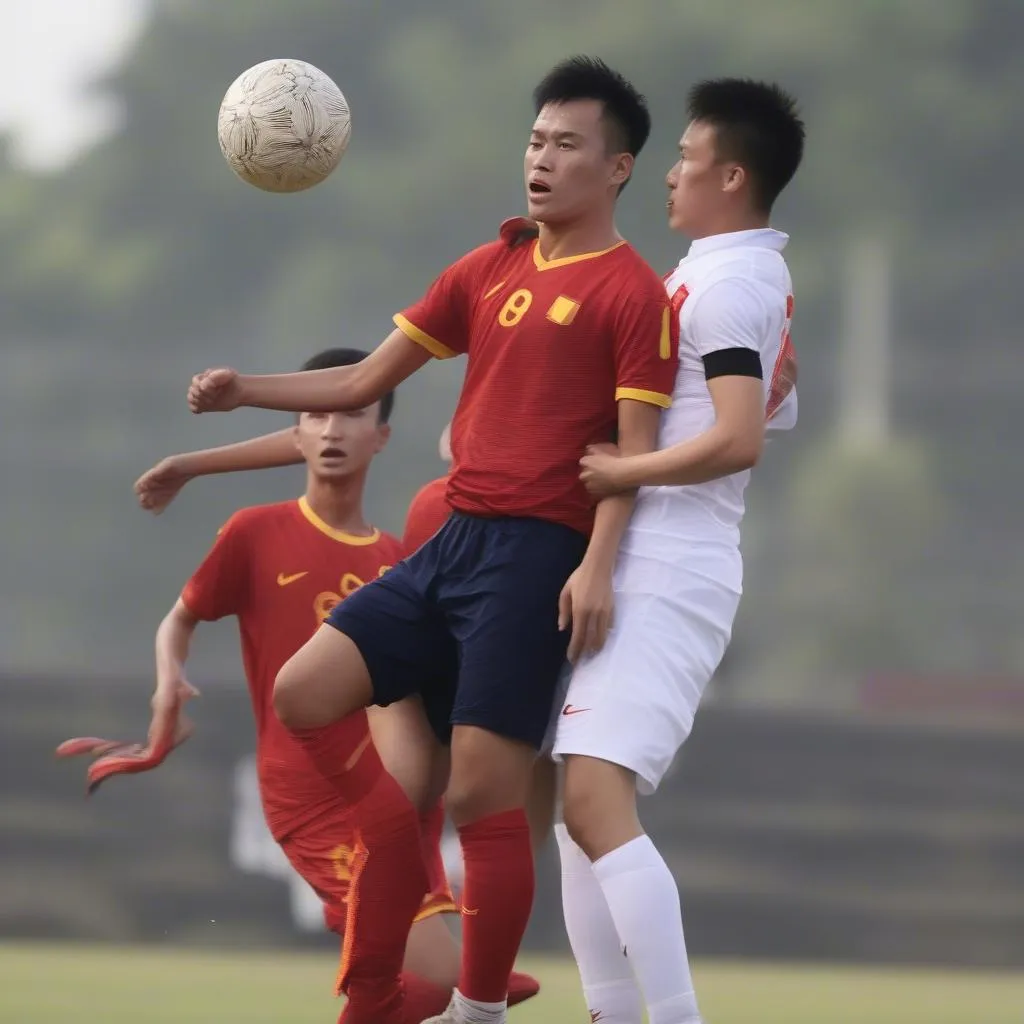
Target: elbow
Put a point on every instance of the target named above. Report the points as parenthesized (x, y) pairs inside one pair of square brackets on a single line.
[(746, 453), (362, 389), (751, 456)]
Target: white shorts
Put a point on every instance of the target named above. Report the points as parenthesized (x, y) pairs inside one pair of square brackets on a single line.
[(633, 703), (548, 746)]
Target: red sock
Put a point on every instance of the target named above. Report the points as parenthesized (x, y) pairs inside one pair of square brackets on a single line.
[(423, 998), (386, 891), (344, 753), (431, 830), (497, 898)]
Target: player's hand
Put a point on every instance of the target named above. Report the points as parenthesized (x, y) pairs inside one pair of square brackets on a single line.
[(159, 486), (169, 699), (601, 471), (586, 604), (217, 390)]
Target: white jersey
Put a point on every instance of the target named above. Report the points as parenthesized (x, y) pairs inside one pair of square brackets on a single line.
[(731, 291), (679, 573)]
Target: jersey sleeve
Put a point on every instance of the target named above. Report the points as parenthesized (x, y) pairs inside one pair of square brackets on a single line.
[(646, 351), (731, 314), (440, 321), (220, 585)]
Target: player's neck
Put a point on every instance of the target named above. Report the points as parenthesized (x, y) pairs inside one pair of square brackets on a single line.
[(732, 221), (557, 241), (339, 503)]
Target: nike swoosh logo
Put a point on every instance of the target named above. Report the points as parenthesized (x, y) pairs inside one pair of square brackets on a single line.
[(283, 580), (571, 709), (470, 913)]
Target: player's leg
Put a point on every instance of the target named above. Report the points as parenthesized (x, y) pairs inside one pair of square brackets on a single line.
[(378, 643), (410, 750), (609, 986), (627, 712), (540, 802), (500, 599)]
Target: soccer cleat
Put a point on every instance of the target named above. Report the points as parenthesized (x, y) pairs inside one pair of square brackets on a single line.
[(521, 987)]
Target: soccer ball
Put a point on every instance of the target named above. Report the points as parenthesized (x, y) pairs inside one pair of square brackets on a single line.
[(283, 126)]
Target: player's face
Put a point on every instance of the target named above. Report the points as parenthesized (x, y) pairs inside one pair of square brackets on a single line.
[(337, 445), (569, 167), (698, 183)]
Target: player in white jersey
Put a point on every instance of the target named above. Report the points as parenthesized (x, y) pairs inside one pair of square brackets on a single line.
[(679, 574)]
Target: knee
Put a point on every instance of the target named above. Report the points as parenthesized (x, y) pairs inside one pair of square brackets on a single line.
[(489, 775), (599, 806), (291, 701), (581, 817)]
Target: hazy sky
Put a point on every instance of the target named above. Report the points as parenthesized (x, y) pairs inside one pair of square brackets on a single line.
[(50, 51)]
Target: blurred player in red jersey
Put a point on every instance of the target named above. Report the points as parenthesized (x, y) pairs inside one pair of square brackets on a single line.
[(568, 334), (280, 569)]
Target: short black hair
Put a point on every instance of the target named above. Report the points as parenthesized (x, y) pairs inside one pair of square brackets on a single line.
[(588, 78), (757, 124), (347, 357)]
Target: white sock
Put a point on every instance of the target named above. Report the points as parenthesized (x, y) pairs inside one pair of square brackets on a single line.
[(470, 1011), (644, 902), (609, 987)]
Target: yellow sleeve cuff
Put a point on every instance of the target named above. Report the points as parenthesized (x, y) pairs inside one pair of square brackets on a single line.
[(432, 345), (639, 395)]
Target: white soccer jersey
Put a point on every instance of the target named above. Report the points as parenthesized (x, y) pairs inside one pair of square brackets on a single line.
[(679, 573), (730, 291)]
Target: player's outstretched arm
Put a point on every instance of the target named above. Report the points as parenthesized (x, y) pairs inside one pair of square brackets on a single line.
[(159, 486), (339, 388), (173, 642), (733, 444), (587, 598)]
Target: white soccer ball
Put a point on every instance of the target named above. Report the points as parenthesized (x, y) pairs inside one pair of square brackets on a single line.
[(283, 125)]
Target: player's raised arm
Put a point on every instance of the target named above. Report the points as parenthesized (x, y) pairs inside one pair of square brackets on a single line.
[(159, 486), (337, 389)]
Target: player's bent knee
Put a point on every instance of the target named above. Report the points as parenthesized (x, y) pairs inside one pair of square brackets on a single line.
[(322, 682)]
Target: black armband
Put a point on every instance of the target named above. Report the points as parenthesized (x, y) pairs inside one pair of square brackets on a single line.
[(733, 362)]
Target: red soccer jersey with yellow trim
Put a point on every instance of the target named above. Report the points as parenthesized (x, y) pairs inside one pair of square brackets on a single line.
[(428, 512), (280, 570), (552, 346)]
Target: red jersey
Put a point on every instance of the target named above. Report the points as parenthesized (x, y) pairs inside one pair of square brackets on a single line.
[(552, 346), (280, 569), (428, 512)]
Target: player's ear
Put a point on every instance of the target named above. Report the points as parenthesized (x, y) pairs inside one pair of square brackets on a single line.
[(383, 436), (622, 168), (295, 438), (734, 177)]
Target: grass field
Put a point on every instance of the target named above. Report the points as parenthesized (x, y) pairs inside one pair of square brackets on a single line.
[(52, 984)]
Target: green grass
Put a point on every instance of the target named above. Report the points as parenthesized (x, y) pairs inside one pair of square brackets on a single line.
[(58, 984)]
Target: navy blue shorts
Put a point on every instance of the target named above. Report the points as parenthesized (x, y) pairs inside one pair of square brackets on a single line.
[(470, 622)]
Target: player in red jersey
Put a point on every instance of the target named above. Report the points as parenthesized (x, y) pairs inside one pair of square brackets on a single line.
[(280, 569), (569, 335)]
